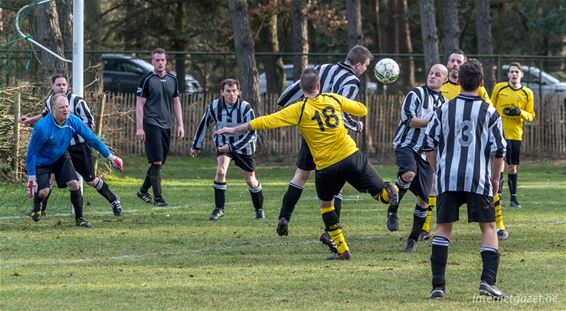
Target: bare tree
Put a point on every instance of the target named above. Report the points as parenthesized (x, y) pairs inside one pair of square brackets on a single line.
[(450, 26), (354, 14), (47, 32), (429, 33), (485, 42), (373, 16), (300, 39), (93, 36), (179, 44), (245, 51), (405, 45), (269, 41)]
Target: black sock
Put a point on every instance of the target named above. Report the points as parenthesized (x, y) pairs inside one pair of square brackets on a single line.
[(36, 202), (104, 191), (146, 181), (438, 260), (338, 204), (290, 199), (257, 196), (419, 217), (219, 194), (402, 186), (500, 184), (512, 180), (155, 179), (45, 200), (330, 221), (490, 259), (77, 201)]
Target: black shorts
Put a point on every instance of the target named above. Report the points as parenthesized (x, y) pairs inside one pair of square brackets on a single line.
[(409, 161), (305, 160), (157, 141), (513, 152), (481, 208), (355, 169), (62, 168), (81, 155), (243, 161)]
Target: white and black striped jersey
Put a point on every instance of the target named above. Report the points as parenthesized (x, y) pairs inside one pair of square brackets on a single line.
[(467, 132), (421, 102), (337, 78), (78, 107), (225, 115)]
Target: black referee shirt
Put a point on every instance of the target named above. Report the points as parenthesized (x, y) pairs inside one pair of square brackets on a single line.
[(159, 93)]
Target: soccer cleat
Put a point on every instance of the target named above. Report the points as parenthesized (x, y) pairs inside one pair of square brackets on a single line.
[(259, 214), (514, 204), (43, 215), (116, 207), (411, 246), (326, 240), (437, 293), (283, 227), (216, 214), (502, 234), (160, 202), (392, 193), (337, 256), (492, 291), (392, 222), (424, 235), (82, 222), (146, 197)]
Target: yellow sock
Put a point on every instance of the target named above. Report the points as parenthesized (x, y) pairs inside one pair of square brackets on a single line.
[(498, 212), (338, 238), (431, 205)]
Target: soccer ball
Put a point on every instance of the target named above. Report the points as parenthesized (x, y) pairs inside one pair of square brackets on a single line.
[(386, 70)]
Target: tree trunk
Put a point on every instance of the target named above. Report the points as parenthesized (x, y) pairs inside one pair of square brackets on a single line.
[(93, 36), (179, 45), (245, 52), (485, 42), (429, 33), (405, 46), (450, 27), (64, 11), (269, 41), (48, 33), (391, 45), (354, 14), (300, 40), (373, 17)]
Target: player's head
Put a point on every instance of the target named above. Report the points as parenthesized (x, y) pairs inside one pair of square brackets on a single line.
[(470, 75), (60, 107), (359, 57), (515, 73), (437, 76), (159, 60), (230, 90), (310, 81), (59, 83), (455, 60)]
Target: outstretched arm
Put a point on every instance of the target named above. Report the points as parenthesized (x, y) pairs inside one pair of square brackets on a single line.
[(232, 130)]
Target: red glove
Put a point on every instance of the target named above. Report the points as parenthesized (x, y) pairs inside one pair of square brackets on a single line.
[(32, 186), (116, 162)]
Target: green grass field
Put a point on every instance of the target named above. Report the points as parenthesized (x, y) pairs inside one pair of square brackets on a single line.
[(174, 258)]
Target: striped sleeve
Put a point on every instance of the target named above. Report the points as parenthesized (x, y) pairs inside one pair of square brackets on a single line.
[(83, 112), (410, 105), (207, 118), (433, 131), (291, 94), (496, 140), (250, 136)]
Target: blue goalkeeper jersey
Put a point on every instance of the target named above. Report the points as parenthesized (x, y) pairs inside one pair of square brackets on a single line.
[(49, 141)]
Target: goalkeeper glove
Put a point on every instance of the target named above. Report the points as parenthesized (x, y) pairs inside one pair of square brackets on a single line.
[(32, 186), (512, 111), (116, 162)]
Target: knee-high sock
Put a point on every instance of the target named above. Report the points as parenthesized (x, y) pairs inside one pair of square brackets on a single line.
[(512, 180), (419, 216), (147, 181), (155, 179), (36, 202), (403, 186), (431, 205), (45, 200), (77, 201), (490, 259), (104, 191), (290, 199), (219, 194), (338, 204), (438, 260), (498, 212), (257, 196), (332, 226)]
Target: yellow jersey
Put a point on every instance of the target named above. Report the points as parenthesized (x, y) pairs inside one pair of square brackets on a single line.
[(504, 96), (450, 90), (320, 122)]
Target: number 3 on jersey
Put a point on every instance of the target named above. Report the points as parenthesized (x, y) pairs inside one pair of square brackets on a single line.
[(329, 114), (465, 133)]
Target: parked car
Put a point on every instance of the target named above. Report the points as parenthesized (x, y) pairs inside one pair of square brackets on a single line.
[(539, 82), (122, 73)]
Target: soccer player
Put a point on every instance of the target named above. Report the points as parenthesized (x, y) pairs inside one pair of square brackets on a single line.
[(320, 121), (415, 173), (47, 154), (341, 78), (228, 111), (157, 95), (80, 152), (465, 145), (515, 104)]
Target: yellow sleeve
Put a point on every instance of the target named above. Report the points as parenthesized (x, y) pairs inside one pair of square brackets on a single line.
[(285, 117), (353, 107), (495, 95), (528, 114), (483, 94)]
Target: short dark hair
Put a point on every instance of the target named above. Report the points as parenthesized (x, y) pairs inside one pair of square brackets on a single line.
[(470, 75), (58, 75), (516, 64), (158, 51), (458, 51), (55, 97), (309, 80), (358, 55), (229, 82)]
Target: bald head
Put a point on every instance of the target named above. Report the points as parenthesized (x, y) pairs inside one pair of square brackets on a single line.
[(437, 76)]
